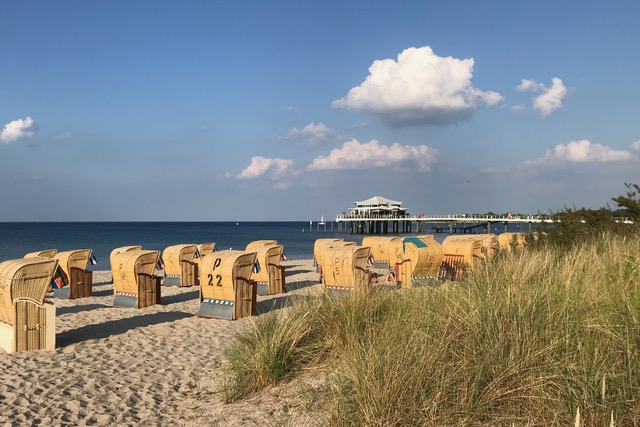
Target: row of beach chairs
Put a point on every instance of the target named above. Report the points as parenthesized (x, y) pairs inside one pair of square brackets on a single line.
[(404, 262), (229, 283)]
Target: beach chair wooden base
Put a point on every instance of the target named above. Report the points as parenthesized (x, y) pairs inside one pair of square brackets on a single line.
[(34, 327), (223, 309), (80, 285), (149, 293), (262, 288), (171, 281), (189, 276), (218, 309), (339, 290)]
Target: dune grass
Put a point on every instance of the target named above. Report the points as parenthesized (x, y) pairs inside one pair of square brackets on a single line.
[(532, 337)]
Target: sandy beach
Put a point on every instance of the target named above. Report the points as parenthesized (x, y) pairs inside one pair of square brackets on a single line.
[(151, 366)]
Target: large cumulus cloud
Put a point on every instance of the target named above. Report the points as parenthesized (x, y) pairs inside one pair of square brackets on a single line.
[(420, 88)]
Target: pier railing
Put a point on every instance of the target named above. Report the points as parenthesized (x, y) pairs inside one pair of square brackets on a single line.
[(459, 218)]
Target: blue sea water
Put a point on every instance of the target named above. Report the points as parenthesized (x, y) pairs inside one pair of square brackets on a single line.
[(19, 238)]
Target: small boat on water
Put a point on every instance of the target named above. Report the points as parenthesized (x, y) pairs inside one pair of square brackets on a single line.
[(321, 220)]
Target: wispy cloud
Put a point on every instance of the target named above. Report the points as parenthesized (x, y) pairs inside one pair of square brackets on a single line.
[(551, 98), (63, 136), (517, 109), (420, 88), (311, 133), (635, 145), (356, 155), (18, 129)]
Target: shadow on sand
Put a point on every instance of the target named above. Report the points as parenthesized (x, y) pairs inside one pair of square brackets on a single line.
[(271, 304), (182, 297), (300, 284), (116, 327), (79, 308)]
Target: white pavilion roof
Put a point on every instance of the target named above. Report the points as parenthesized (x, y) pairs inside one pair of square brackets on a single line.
[(378, 200)]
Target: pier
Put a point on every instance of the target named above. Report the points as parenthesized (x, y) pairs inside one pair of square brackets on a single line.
[(452, 224)]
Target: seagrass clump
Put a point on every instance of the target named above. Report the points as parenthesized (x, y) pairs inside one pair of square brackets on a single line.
[(179, 266), (344, 269), (226, 290), (134, 284), (79, 279), (270, 279), (27, 321)]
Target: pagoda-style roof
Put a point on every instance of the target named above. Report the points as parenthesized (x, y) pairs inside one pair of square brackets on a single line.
[(379, 201)]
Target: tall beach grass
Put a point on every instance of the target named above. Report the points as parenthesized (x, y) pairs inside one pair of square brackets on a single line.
[(534, 337)]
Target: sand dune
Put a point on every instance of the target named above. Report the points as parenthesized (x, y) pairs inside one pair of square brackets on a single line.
[(152, 366)]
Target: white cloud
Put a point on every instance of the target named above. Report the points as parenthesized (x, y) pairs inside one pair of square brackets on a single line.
[(529, 86), (576, 152), (517, 109), (276, 168), (635, 145), (583, 151), (312, 133), (420, 88), (18, 129), (63, 136), (550, 99), (356, 155)]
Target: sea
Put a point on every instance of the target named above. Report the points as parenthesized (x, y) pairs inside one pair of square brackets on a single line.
[(20, 238)]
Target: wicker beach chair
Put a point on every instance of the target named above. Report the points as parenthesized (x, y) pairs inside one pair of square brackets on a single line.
[(27, 320), (461, 253), (345, 269), (134, 283), (80, 280), (378, 245), (270, 279), (180, 267), (422, 258), (318, 248), (226, 291), (116, 251)]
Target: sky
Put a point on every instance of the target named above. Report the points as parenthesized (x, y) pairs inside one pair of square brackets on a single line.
[(289, 110)]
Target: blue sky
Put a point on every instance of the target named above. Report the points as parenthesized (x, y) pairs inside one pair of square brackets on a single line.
[(116, 111)]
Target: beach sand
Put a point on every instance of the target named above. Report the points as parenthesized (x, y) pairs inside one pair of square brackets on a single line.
[(154, 366)]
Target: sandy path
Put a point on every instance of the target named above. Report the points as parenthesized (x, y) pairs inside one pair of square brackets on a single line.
[(151, 366)]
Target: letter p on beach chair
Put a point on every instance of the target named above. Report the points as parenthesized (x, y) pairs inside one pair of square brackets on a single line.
[(344, 269), (80, 280), (27, 320), (226, 292), (179, 265), (134, 284)]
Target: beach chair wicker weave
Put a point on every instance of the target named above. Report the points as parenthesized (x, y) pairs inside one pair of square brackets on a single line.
[(226, 292), (48, 253), (80, 280), (134, 284), (318, 248), (180, 268), (27, 321)]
